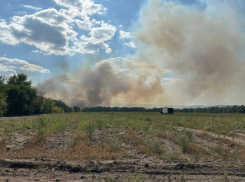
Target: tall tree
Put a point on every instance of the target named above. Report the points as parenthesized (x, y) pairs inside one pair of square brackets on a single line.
[(21, 96)]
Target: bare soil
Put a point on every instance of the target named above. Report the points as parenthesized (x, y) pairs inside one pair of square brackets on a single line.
[(131, 165)]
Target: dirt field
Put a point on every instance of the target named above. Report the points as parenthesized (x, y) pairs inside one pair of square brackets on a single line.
[(123, 147)]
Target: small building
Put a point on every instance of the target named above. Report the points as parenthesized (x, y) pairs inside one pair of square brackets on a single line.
[(167, 110)]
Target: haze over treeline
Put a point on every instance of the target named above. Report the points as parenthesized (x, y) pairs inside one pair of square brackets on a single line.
[(18, 97), (200, 47)]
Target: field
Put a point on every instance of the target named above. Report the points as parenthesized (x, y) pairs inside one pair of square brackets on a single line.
[(123, 147)]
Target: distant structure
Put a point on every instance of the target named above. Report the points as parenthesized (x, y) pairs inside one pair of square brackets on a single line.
[(167, 110)]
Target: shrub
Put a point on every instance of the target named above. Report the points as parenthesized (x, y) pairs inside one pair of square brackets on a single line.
[(184, 140)]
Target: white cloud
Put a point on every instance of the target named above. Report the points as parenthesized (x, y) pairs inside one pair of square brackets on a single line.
[(6, 35), (52, 31), (88, 46), (6, 71), (108, 51), (31, 7), (47, 30), (103, 33), (99, 35), (14, 65), (84, 6), (84, 25), (130, 44), (125, 35)]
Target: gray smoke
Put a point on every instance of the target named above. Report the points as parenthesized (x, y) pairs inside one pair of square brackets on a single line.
[(99, 86), (202, 45)]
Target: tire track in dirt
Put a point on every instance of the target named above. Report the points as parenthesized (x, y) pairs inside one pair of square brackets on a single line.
[(128, 166), (238, 141)]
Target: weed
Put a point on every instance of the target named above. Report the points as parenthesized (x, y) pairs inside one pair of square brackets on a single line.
[(139, 177), (154, 147), (184, 139), (182, 179), (79, 137), (233, 135), (114, 144), (225, 178), (110, 180), (148, 146), (41, 131), (89, 130), (100, 124), (174, 155)]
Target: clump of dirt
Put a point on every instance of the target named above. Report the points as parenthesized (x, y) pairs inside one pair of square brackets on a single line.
[(18, 140)]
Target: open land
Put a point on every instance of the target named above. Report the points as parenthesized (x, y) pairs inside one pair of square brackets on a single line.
[(129, 146)]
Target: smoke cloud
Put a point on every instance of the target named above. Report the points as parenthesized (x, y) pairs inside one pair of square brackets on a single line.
[(98, 86), (202, 44)]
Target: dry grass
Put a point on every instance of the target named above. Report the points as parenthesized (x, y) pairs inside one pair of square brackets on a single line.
[(156, 128), (80, 149), (148, 146)]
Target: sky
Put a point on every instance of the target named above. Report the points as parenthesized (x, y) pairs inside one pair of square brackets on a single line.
[(64, 31), (124, 52)]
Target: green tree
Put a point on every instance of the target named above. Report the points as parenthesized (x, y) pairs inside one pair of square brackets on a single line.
[(48, 105), (76, 109), (21, 97)]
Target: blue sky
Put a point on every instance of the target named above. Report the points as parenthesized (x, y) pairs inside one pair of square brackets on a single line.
[(114, 16), (157, 51)]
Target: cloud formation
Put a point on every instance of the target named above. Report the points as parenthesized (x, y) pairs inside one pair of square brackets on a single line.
[(31, 7), (9, 67), (125, 35), (86, 7), (130, 44), (54, 32), (97, 39)]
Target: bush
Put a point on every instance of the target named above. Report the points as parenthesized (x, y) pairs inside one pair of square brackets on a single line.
[(184, 140)]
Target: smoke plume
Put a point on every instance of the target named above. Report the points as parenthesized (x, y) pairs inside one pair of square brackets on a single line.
[(202, 44), (98, 86)]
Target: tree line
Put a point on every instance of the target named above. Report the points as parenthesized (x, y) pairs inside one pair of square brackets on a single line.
[(216, 109), (18, 98), (120, 109)]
